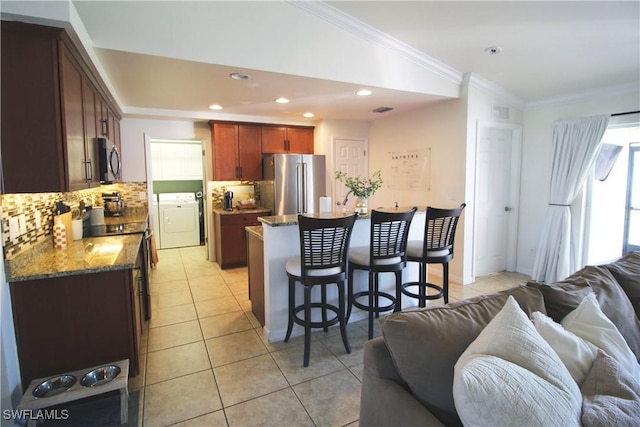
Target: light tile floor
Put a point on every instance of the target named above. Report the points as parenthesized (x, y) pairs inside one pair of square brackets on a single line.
[(205, 361)]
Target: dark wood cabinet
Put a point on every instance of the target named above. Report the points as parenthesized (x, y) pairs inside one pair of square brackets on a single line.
[(231, 239), (237, 152), (47, 112), (286, 139), (255, 268), (68, 323)]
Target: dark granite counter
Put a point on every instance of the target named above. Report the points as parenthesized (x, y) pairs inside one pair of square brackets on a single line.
[(88, 255), (236, 211)]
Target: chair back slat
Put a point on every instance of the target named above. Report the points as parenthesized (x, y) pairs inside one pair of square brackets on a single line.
[(389, 234), (324, 243), (440, 228)]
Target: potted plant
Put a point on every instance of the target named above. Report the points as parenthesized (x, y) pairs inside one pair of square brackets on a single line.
[(361, 188)]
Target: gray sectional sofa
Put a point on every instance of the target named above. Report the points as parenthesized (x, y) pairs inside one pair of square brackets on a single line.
[(409, 371)]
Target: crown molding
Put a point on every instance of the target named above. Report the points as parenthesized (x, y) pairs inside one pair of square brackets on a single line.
[(347, 22), (585, 95), (475, 81)]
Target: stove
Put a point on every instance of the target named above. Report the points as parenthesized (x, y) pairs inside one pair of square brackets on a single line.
[(117, 229)]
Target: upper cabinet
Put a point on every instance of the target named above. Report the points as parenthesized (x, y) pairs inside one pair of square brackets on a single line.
[(50, 103), (283, 139), (237, 153)]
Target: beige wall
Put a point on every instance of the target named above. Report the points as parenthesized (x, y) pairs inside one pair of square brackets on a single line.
[(135, 133)]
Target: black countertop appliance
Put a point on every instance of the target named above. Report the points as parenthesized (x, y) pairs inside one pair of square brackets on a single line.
[(227, 203)]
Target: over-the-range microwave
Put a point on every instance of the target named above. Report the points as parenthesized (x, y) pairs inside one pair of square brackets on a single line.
[(108, 160)]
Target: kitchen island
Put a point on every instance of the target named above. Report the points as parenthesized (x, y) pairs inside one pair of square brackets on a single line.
[(281, 242)]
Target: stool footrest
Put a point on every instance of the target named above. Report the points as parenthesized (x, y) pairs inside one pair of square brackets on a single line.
[(439, 295), (319, 324), (376, 295)]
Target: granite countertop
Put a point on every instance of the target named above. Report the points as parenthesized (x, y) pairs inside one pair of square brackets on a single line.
[(255, 230), (236, 211), (89, 255), (85, 256), (283, 220)]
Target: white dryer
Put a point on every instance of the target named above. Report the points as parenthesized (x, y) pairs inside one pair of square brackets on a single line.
[(179, 220)]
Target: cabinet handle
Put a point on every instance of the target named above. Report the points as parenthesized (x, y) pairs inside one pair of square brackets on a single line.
[(105, 127), (90, 174), (240, 169), (286, 145)]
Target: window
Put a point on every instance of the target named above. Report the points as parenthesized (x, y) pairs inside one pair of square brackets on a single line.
[(609, 224)]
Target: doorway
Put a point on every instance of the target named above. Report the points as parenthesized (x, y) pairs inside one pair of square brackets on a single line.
[(176, 167), (498, 153), (350, 157)]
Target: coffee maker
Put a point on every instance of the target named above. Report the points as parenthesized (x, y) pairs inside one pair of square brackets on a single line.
[(227, 204)]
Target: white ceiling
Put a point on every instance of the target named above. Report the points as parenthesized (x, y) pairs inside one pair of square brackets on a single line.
[(152, 52)]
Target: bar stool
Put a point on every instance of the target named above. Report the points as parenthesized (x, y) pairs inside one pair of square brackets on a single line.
[(386, 253), (436, 247), (324, 249)]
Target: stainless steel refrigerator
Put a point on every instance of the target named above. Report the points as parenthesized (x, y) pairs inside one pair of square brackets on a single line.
[(292, 183)]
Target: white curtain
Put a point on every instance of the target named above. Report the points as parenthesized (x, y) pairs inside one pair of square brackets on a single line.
[(576, 144)]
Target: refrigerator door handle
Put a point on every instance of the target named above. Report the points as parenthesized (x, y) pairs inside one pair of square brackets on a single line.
[(304, 187), (299, 187)]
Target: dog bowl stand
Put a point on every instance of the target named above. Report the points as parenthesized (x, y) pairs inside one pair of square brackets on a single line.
[(78, 391)]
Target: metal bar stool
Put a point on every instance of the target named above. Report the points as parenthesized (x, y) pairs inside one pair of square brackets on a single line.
[(324, 248), (386, 253), (435, 248)]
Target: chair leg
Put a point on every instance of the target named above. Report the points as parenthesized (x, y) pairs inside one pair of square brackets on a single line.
[(341, 310), (445, 282), (307, 325), (422, 292), (373, 289), (349, 294), (292, 300), (323, 292), (398, 305)]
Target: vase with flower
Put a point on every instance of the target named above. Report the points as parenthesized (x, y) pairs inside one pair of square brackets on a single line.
[(362, 188)]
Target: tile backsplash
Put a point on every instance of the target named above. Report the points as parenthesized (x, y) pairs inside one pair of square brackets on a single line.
[(217, 189), (44, 203)]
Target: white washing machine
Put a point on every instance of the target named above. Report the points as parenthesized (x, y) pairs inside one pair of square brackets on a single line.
[(179, 220)]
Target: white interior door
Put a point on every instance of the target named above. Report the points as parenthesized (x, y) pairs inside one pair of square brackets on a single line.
[(496, 200), (350, 156)]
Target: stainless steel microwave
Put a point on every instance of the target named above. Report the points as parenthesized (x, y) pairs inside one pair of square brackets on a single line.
[(109, 161)]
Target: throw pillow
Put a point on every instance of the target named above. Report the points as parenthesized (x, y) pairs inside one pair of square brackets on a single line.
[(510, 376), (577, 354), (562, 297), (590, 323), (426, 343), (626, 271), (611, 395)]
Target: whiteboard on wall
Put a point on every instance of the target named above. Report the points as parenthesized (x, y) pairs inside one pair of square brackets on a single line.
[(411, 169)]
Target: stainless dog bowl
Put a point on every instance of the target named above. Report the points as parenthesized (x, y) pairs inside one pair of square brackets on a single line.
[(100, 376), (54, 385)]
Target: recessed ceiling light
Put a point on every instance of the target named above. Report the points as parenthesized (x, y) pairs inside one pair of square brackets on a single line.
[(363, 92), (493, 50), (308, 115), (240, 76), (215, 107), (282, 100)]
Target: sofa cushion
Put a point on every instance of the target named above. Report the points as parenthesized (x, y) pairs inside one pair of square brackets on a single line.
[(510, 376), (589, 323), (626, 271), (577, 354), (562, 297), (426, 343), (611, 396)]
